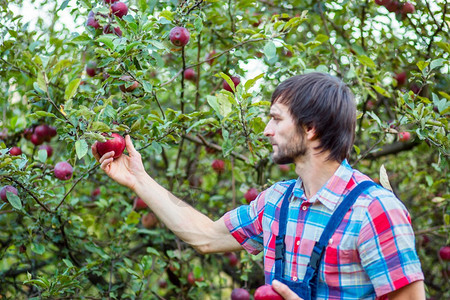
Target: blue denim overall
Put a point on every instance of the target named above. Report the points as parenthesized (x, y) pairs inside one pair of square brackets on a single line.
[(307, 289)]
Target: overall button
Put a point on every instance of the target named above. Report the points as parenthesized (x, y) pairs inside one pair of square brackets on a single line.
[(294, 278), (330, 242), (304, 207), (298, 243)]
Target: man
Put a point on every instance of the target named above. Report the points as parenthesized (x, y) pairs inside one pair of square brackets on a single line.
[(330, 234)]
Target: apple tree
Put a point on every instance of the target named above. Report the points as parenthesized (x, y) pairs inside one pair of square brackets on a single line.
[(190, 82)]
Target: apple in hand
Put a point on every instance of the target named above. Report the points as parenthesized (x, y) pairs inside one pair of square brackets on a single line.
[(7, 188), (179, 36), (266, 292), (63, 170), (117, 144), (240, 294)]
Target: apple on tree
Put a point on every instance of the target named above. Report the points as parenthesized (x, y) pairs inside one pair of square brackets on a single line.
[(5, 189), (91, 21), (218, 166), (124, 87), (404, 136), (63, 170), (139, 204), (240, 294), (232, 258), (116, 144), (179, 36), (15, 151), (227, 87), (119, 9), (191, 278), (251, 194), (149, 220), (401, 78), (91, 68), (47, 148), (444, 253), (189, 74)]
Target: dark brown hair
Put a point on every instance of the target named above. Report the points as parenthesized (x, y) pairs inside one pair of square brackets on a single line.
[(325, 103)]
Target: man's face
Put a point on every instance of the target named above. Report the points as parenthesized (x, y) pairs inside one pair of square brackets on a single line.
[(288, 144)]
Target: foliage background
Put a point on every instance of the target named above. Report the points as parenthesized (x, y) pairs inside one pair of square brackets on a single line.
[(58, 240)]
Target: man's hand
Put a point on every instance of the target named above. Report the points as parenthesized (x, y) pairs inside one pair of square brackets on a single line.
[(127, 169), (284, 291)]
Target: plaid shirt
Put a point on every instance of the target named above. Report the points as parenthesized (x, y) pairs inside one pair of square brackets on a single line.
[(371, 253)]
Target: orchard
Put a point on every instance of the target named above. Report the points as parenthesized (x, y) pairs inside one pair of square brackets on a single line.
[(190, 82)]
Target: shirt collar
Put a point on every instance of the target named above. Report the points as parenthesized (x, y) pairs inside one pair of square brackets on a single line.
[(331, 193)]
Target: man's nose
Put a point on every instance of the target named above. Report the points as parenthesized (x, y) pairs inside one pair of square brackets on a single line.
[(268, 131)]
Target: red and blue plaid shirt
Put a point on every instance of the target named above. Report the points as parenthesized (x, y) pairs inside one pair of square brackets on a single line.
[(371, 253)]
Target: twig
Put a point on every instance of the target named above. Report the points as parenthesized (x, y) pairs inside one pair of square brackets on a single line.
[(29, 192), (331, 44)]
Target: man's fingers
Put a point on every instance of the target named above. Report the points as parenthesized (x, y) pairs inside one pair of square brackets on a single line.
[(94, 151), (105, 163), (107, 155), (129, 145), (284, 291)]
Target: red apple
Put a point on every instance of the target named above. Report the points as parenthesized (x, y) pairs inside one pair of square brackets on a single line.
[(408, 8), (7, 188), (179, 36), (95, 192), (139, 204), (117, 144), (124, 88), (266, 292), (36, 140), (15, 151), (91, 68), (284, 168), (119, 9), (28, 132), (48, 148), (209, 58), (189, 74), (404, 136), (240, 294), (401, 78), (392, 6), (218, 165), (444, 252), (149, 220), (91, 21), (63, 170), (232, 258), (41, 131), (116, 30), (162, 283), (251, 194), (110, 1), (191, 278), (235, 80)]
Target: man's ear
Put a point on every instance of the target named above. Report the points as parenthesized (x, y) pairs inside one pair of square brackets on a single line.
[(310, 133)]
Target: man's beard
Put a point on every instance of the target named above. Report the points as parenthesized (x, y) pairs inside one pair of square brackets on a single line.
[(290, 152)]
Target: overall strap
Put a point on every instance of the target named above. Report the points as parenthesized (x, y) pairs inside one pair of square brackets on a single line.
[(330, 228), (279, 240)]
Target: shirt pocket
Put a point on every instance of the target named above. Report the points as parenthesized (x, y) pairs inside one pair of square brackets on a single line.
[(339, 263)]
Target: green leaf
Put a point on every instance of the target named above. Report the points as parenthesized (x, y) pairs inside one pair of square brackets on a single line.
[(251, 82), (129, 108), (198, 24), (71, 88), (381, 91), (133, 218), (41, 113), (270, 50), (157, 147), (42, 155), (367, 61), (99, 126), (437, 63), (422, 65), (81, 148), (107, 40), (37, 248), (14, 200)]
